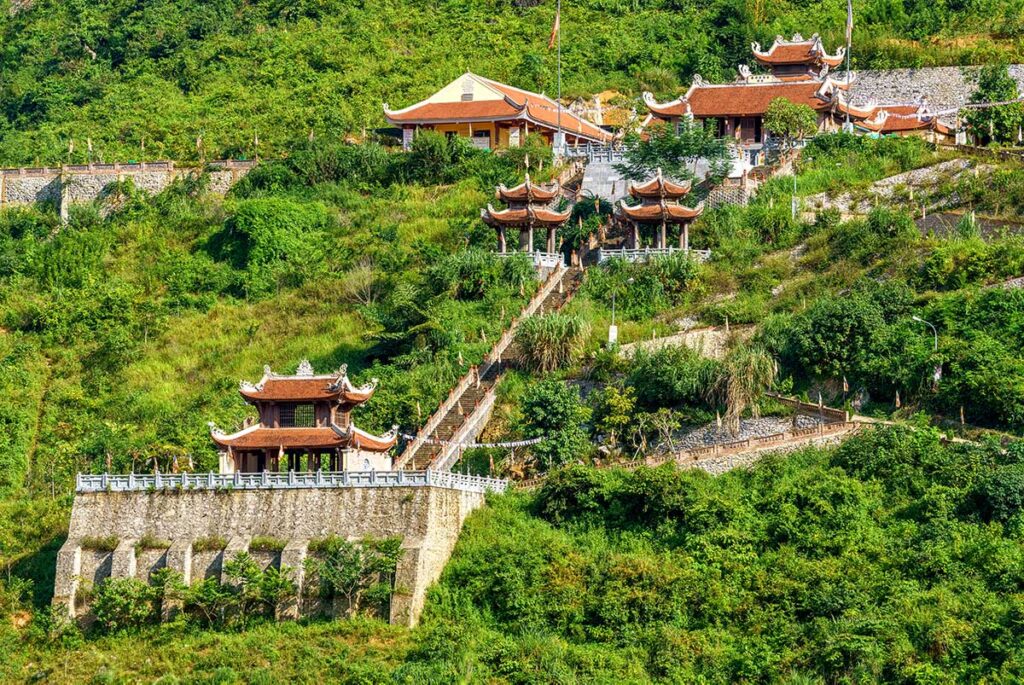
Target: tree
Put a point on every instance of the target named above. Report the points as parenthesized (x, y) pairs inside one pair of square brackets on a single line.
[(613, 411), (790, 121), (996, 124), (676, 153), (553, 411)]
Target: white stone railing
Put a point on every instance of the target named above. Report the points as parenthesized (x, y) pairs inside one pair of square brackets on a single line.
[(291, 480), (645, 254), (541, 260)]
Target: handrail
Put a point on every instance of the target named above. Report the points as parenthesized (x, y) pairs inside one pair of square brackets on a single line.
[(291, 480), (644, 254), (475, 373)]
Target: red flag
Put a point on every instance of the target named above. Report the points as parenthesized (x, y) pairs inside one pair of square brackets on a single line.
[(555, 28)]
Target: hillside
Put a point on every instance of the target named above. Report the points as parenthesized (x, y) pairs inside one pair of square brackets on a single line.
[(188, 80)]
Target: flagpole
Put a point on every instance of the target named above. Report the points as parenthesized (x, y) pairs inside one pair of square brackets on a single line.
[(849, 47), (558, 37)]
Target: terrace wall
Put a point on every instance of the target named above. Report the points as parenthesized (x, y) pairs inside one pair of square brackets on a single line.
[(80, 183), (427, 518)]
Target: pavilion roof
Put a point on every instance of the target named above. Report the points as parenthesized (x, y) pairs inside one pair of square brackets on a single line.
[(797, 51), (527, 191), (656, 212), (323, 437), (660, 187), (898, 118), (509, 104), (530, 215), (306, 386), (705, 100)]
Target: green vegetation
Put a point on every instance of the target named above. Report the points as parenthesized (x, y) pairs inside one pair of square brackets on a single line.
[(894, 558), (190, 80)]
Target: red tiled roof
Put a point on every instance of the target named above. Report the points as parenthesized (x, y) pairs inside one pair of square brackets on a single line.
[(479, 110), (659, 187), (274, 438), (804, 52), (527, 191), (741, 99), (522, 217), (668, 212), (289, 389), (518, 104), (375, 443)]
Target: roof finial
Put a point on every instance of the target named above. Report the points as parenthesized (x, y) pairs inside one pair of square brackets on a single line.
[(305, 368)]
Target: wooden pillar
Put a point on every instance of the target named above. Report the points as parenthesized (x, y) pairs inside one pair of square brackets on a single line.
[(501, 239), (551, 239)]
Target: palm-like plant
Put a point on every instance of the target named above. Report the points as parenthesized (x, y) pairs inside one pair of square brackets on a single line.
[(749, 372), (551, 341)]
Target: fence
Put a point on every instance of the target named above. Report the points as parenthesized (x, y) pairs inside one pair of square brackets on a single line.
[(645, 254), (826, 414), (696, 455), (541, 260), (291, 480)]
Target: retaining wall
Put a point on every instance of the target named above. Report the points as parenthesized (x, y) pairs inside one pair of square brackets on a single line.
[(428, 519), (78, 183)]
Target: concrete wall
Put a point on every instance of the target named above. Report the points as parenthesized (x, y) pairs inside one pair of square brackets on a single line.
[(88, 182), (428, 519)]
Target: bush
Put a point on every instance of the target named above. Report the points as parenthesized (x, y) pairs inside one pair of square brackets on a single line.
[(124, 604), (547, 342), (672, 375), (1001, 495)]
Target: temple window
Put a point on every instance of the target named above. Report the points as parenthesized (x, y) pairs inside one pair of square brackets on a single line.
[(297, 416)]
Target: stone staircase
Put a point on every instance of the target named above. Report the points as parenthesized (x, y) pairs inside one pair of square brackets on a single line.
[(600, 179), (462, 416)]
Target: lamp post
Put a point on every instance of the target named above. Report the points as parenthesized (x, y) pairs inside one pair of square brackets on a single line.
[(613, 330), (937, 373), (935, 332)]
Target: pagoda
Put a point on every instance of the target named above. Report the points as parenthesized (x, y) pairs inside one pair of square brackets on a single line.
[(797, 59), (660, 207), (304, 424), (529, 206)]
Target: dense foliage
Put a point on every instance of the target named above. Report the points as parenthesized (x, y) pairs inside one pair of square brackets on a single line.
[(193, 80)]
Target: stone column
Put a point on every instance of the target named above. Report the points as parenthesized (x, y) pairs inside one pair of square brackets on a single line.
[(502, 247), (122, 563), (636, 236), (684, 237), (293, 556), (179, 559), (69, 570), (529, 243), (662, 237), (236, 546), (551, 239)]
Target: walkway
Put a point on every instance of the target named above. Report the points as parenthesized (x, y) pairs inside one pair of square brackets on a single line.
[(463, 415)]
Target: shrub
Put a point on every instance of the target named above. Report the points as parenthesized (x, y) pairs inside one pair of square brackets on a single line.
[(548, 342), (1001, 495), (212, 543), (106, 543), (672, 375), (263, 543), (123, 604)]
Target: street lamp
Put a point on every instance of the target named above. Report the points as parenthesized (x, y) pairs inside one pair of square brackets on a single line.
[(937, 373), (934, 331), (613, 330)]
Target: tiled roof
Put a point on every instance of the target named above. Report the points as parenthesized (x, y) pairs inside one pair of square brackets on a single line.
[(275, 438), (659, 186), (668, 212), (289, 389), (480, 110), (518, 104), (797, 51), (528, 191), (523, 217), (741, 99)]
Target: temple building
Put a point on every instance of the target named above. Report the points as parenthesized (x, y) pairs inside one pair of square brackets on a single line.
[(493, 115), (304, 424), (799, 71), (529, 206), (659, 208)]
